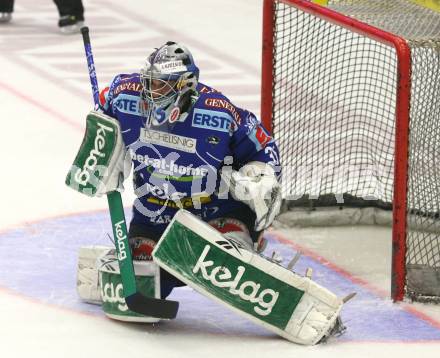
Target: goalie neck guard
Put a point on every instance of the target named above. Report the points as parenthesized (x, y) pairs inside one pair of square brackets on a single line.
[(168, 77)]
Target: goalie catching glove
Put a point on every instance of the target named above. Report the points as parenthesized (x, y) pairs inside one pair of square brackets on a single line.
[(256, 185), (101, 164)]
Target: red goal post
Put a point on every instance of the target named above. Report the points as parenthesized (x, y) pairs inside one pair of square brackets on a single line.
[(290, 30)]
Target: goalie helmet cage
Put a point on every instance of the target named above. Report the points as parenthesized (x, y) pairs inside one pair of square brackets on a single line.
[(350, 91)]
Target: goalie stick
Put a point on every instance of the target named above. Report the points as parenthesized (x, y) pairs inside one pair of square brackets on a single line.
[(135, 301)]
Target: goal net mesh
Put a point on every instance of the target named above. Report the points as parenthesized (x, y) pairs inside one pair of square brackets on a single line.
[(334, 113)]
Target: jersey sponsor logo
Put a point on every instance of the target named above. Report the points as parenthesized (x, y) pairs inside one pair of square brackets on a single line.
[(222, 103), (157, 173), (205, 89), (167, 195), (182, 203), (262, 137), (218, 121), (165, 192), (221, 276), (114, 84), (161, 219), (174, 141), (214, 140), (129, 86), (128, 104), (169, 169)]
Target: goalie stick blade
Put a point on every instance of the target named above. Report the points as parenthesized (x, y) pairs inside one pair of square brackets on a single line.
[(152, 307)]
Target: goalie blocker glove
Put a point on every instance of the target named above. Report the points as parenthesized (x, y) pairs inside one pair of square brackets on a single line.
[(102, 163)]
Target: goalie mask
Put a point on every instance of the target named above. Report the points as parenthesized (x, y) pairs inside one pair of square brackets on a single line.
[(169, 77)]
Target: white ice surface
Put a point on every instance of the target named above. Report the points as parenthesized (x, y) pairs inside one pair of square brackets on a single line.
[(44, 96)]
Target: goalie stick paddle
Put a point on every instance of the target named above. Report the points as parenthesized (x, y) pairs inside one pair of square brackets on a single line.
[(135, 301)]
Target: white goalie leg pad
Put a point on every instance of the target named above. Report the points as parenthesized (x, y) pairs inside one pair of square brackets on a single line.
[(316, 314), (112, 294), (99, 282), (270, 295), (87, 283)]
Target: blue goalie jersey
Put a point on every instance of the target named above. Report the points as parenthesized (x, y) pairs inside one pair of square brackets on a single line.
[(177, 164)]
